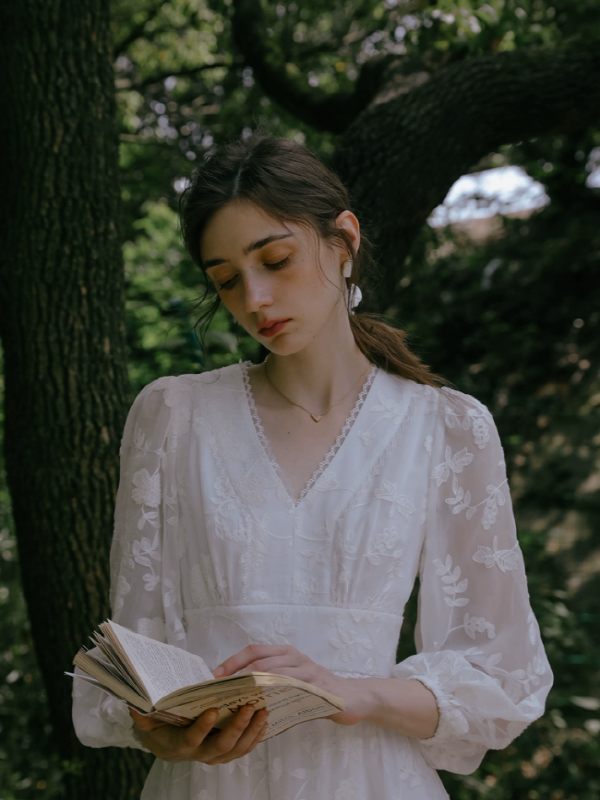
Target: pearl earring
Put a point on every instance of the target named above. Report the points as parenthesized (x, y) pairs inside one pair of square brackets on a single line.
[(347, 271)]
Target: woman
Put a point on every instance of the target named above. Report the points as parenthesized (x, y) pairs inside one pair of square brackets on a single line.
[(274, 517)]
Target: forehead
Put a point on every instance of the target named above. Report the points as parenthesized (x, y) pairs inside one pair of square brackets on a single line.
[(235, 226)]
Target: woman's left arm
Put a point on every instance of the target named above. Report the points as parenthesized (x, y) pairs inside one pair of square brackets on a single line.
[(478, 642)]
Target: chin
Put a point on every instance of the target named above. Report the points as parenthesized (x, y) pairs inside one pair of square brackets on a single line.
[(285, 348)]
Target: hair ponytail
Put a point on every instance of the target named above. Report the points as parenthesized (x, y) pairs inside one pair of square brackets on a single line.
[(287, 181), (386, 346)]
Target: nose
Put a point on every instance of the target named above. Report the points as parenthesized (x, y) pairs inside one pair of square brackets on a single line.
[(257, 292)]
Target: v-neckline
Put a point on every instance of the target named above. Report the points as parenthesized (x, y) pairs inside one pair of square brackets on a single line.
[(333, 450)]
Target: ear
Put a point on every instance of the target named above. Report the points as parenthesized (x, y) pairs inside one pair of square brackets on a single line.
[(348, 222)]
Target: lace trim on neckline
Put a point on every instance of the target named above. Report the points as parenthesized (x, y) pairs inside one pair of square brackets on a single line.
[(332, 450)]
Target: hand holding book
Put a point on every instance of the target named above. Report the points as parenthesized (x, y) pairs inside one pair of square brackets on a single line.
[(200, 741), (170, 685)]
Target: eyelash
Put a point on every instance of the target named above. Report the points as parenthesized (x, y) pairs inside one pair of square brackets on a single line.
[(228, 284)]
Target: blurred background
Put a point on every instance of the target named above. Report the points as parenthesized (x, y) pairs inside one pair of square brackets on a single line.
[(500, 294)]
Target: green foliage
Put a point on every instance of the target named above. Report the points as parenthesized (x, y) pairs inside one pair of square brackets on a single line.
[(512, 321)]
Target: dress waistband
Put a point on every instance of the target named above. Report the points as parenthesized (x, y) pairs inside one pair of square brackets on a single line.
[(349, 642)]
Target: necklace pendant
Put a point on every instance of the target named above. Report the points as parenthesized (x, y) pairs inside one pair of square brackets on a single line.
[(316, 417)]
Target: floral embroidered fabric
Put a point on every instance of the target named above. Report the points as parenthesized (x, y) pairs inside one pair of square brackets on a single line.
[(211, 552)]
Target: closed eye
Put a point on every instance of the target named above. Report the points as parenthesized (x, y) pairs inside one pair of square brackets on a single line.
[(230, 283), (279, 264), (227, 285)]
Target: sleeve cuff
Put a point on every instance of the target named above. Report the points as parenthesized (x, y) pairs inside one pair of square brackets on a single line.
[(452, 723), (116, 714)]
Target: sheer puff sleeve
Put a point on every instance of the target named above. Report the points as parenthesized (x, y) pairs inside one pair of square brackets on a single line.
[(478, 642), (144, 555)]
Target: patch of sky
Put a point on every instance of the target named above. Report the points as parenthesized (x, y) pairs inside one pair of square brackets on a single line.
[(503, 190)]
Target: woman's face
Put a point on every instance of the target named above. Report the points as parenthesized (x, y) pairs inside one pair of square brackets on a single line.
[(266, 273)]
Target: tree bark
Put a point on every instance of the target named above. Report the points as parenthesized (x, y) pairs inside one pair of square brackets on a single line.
[(63, 333)]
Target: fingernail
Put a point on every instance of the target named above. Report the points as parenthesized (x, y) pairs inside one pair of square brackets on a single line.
[(218, 672)]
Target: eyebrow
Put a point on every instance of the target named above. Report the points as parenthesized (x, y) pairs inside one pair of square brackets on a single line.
[(213, 262)]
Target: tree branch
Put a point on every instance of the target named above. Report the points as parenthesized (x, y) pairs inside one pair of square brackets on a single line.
[(402, 155), (286, 85), (158, 77), (138, 30)]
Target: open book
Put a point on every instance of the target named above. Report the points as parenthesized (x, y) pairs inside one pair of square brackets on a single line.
[(175, 686)]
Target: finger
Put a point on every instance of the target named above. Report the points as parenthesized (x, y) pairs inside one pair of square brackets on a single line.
[(193, 736), (273, 664), (255, 730), (247, 656), (219, 746), (259, 736), (300, 673)]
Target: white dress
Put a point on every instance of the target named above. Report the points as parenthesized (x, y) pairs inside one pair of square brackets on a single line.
[(211, 553)]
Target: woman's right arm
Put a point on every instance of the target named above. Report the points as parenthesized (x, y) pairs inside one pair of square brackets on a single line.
[(135, 563), (144, 587)]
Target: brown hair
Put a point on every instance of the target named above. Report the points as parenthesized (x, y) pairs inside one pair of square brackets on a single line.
[(287, 181)]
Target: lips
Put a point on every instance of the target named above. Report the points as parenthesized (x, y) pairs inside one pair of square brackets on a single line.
[(273, 327)]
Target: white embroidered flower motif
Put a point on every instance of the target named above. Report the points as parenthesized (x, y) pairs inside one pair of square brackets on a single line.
[(475, 418), (144, 552), (453, 464), (504, 559), (481, 432), (352, 748), (453, 585), (408, 771), (314, 557), (348, 644), (180, 421), (122, 589), (347, 790), (143, 444), (276, 769), (366, 437), (243, 764), (532, 627), (252, 488), (461, 500), (152, 628), (399, 502), (495, 499), (428, 444), (276, 631), (377, 550), (389, 408), (479, 625), (147, 491), (394, 569), (229, 444)]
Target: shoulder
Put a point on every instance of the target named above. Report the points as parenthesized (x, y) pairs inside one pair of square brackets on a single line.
[(174, 390), (440, 400), (458, 415)]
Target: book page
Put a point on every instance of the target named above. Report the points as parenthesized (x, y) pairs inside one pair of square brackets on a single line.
[(287, 706), (161, 667)]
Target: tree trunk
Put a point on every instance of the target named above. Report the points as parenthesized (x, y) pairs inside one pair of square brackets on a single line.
[(62, 328)]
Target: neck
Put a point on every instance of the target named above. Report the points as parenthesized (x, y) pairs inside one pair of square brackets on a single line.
[(321, 373)]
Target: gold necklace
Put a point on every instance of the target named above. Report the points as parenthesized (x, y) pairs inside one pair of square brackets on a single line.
[(315, 417)]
